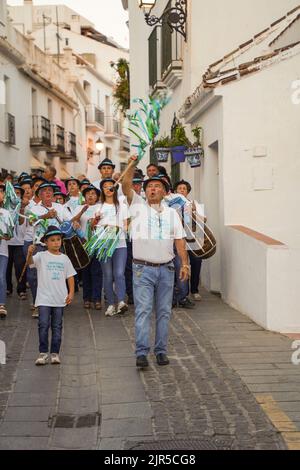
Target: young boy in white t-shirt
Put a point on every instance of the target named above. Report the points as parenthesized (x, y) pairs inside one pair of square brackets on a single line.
[(53, 270)]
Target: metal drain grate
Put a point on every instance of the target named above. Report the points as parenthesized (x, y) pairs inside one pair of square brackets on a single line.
[(194, 444), (74, 421)]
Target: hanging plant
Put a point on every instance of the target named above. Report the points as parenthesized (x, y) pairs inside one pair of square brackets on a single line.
[(121, 92), (162, 149), (179, 144), (195, 151)]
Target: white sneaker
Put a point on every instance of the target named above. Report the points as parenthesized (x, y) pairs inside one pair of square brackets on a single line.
[(55, 359), (35, 313), (122, 308), (42, 360), (3, 311), (197, 297), (111, 311)]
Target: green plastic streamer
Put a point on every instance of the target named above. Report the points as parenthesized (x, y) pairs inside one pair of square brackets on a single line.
[(145, 121), (103, 243)]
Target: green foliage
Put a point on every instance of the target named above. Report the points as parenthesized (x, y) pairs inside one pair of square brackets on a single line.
[(180, 137), (122, 88), (163, 142), (197, 133)]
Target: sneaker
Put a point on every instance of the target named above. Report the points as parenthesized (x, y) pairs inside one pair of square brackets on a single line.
[(55, 359), (186, 303), (42, 360), (142, 362), (197, 297), (35, 313), (111, 311), (122, 308), (3, 311)]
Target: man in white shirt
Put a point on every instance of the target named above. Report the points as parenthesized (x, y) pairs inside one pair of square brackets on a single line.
[(106, 169), (154, 230)]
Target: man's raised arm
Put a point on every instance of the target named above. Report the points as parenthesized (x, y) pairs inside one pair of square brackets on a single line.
[(127, 180)]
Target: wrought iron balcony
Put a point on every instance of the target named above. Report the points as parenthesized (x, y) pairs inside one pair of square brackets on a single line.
[(94, 118), (10, 129), (112, 128), (41, 132), (71, 153), (60, 138)]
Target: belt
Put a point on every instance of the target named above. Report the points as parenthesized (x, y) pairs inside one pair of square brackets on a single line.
[(152, 265)]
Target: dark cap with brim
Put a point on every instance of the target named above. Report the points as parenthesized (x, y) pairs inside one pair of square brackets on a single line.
[(183, 182), (26, 181), (85, 181), (45, 186), (106, 162), (90, 188), (72, 179), (108, 180), (17, 186), (156, 178), (51, 231)]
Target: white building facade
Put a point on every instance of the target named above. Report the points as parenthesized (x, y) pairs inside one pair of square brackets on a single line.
[(230, 78), (58, 98)]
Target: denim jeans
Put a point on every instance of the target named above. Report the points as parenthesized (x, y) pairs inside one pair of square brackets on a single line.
[(16, 259), (152, 288), (128, 271), (50, 316), (32, 272), (92, 281), (3, 267), (196, 264), (181, 289), (114, 273)]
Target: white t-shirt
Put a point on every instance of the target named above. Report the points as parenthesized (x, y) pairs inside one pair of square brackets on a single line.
[(19, 234), (153, 233), (112, 215), (62, 213), (52, 272), (72, 204), (89, 214), (6, 224), (29, 232)]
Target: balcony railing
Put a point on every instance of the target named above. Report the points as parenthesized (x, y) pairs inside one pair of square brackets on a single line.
[(10, 129), (41, 132), (112, 128), (71, 145), (95, 117), (60, 138)]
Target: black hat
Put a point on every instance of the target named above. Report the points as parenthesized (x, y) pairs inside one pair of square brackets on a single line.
[(23, 175), (72, 179), (85, 181), (157, 178), (106, 162), (26, 181), (90, 188), (59, 193), (17, 186), (186, 183), (38, 178), (52, 230), (45, 185), (137, 180), (108, 180)]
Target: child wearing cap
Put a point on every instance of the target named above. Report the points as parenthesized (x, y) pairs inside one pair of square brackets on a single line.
[(53, 270)]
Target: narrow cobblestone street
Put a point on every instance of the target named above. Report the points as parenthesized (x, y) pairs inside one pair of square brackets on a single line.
[(230, 385)]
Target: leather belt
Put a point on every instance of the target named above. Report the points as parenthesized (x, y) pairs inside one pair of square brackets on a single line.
[(152, 265)]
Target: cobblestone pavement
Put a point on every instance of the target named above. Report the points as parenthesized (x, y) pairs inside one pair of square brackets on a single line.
[(222, 367)]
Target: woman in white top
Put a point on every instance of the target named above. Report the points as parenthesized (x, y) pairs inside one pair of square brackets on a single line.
[(92, 274), (114, 213), (6, 228), (184, 188)]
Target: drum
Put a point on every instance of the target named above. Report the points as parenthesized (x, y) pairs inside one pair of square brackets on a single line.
[(73, 248)]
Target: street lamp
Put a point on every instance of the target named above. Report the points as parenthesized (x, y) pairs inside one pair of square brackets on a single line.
[(175, 17), (99, 145)]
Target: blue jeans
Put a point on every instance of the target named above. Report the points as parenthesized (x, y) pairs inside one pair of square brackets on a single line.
[(32, 272), (181, 290), (50, 316), (114, 273), (3, 267), (152, 288), (196, 264), (92, 281)]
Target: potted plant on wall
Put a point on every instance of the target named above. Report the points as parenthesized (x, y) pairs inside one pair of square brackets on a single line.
[(179, 144), (162, 149), (195, 152)]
